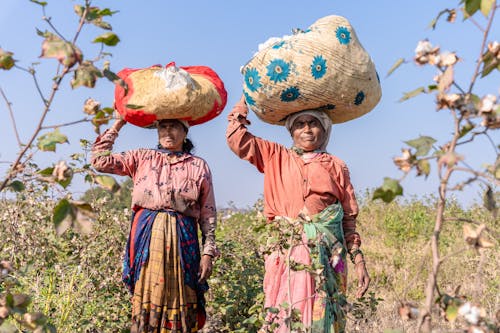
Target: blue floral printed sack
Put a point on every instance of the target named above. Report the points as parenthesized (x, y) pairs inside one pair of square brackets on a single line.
[(324, 67)]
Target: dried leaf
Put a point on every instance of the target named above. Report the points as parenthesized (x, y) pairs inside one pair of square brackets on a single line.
[(398, 63), (405, 162), (107, 182), (62, 216), (448, 59), (445, 80), (62, 174), (475, 237), (65, 52), (412, 94), (486, 7), (35, 319), (76, 214), (84, 217), (91, 106), (408, 311), (489, 200), (86, 75)]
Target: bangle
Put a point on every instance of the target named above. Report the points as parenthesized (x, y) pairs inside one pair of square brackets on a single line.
[(360, 262), (354, 253)]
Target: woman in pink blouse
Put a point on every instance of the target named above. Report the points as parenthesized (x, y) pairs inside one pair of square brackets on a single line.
[(310, 204), (172, 195)]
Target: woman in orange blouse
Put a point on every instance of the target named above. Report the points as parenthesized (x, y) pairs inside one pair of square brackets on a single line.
[(309, 189), (172, 195)]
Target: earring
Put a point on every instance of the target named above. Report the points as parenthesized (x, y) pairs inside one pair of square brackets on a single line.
[(185, 140)]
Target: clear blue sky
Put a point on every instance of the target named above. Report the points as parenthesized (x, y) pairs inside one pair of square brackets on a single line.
[(224, 35)]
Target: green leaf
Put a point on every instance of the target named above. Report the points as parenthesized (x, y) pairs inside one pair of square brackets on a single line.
[(490, 62), (65, 52), (423, 144), (6, 60), (398, 63), (65, 182), (17, 185), (412, 94), (432, 87), (48, 141), (108, 38), (107, 182), (486, 7), (389, 190), (86, 75), (111, 76), (134, 107), (466, 129), (472, 6), (46, 172), (435, 20), (423, 168), (41, 3), (94, 15), (273, 310), (62, 216)]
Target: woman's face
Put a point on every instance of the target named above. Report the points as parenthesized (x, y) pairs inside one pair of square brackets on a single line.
[(171, 134), (307, 133)]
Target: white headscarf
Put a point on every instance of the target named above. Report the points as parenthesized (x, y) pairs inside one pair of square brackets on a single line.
[(323, 118)]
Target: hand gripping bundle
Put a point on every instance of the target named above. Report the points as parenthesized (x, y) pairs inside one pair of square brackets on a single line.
[(193, 93), (321, 68)]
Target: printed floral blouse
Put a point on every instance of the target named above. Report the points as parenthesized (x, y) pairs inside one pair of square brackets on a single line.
[(162, 180)]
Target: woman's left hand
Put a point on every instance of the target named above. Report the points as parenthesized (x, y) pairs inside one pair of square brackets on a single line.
[(205, 268), (363, 277)]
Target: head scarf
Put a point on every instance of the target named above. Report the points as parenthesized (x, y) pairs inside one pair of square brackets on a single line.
[(183, 122), (323, 118)]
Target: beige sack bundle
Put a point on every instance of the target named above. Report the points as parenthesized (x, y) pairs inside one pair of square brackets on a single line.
[(324, 67), (192, 93)]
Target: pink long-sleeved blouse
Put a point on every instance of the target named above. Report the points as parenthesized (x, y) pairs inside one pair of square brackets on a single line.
[(292, 183), (182, 183)]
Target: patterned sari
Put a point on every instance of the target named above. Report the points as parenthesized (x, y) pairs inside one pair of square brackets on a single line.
[(310, 277), (161, 271)]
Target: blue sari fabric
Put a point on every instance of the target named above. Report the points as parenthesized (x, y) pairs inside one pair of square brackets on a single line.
[(187, 242)]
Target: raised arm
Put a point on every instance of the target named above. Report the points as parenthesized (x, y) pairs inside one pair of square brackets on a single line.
[(243, 143), (102, 158)]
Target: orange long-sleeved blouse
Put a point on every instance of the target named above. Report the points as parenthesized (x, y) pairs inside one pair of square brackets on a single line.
[(182, 183), (292, 183)]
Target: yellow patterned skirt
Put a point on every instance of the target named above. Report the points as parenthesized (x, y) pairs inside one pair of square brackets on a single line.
[(161, 301)]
